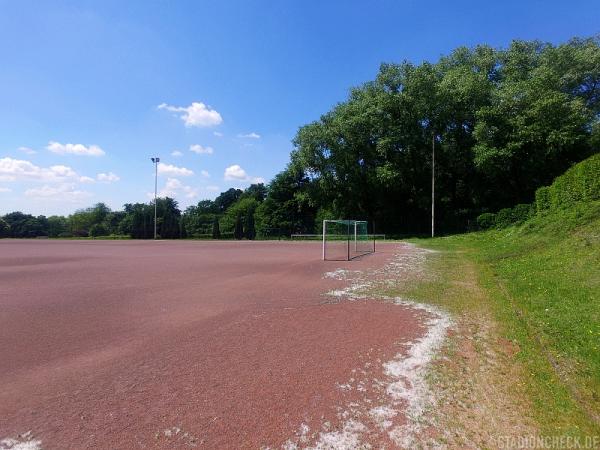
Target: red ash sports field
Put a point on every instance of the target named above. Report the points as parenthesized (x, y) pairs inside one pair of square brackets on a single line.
[(183, 344)]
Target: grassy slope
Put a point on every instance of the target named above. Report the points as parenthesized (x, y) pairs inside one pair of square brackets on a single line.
[(542, 285)]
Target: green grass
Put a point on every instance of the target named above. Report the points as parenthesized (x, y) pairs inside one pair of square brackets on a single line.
[(541, 282)]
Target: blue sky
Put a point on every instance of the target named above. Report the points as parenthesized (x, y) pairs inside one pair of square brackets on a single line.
[(82, 84)]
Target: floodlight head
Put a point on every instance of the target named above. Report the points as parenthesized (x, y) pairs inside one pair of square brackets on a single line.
[(155, 160)]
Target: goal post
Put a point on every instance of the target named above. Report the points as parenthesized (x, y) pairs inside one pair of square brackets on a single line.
[(363, 241), (344, 240)]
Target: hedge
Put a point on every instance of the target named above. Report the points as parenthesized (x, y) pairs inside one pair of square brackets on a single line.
[(522, 212), (505, 217), (580, 183), (486, 220)]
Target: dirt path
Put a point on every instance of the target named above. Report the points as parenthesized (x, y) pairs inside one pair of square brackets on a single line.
[(477, 384)]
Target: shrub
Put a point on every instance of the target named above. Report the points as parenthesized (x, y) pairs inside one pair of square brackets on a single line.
[(542, 199), (580, 183), (589, 176), (98, 229), (486, 220), (504, 218), (216, 232), (238, 231), (522, 212), (182, 231), (249, 229)]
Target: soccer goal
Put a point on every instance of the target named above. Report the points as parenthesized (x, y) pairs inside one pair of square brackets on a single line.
[(344, 240)]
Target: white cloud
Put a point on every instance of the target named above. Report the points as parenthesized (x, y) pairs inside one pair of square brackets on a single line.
[(60, 181), (107, 177), (74, 149), (63, 171), (174, 188), (251, 135), (27, 150), (218, 133), (5, 189), (176, 153), (19, 169), (236, 173), (205, 173), (62, 192), (197, 148), (169, 169), (195, 115), (212, 188)]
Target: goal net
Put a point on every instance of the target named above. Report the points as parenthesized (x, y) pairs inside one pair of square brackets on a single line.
[(346, 239)]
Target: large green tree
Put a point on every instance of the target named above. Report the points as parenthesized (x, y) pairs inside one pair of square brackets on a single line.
[(216, 231), (168, 218), (539, 118), (503, 122), (227, 198), (58, 226), (25, 225), (249, 228), (198, 219), (238, 231), (290, 205), (4, 228)]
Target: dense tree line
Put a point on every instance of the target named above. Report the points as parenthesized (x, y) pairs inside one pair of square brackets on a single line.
[(503, 123), (233, 212)]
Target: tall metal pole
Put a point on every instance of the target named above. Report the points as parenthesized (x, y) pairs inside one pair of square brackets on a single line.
[(155, 193), (432, 184), (155, 160)]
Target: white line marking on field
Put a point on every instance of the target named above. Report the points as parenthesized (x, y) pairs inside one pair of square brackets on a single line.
[(405, 388), (341, 274), (382, 415), (178, 435), (24, 441), (346, 439), (410, 372)]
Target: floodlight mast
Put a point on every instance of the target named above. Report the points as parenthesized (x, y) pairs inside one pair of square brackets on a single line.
[(155, 160), (432, 184)]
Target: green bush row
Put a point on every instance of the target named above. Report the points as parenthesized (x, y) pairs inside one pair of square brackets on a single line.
[(505, 217), (580, 183)]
